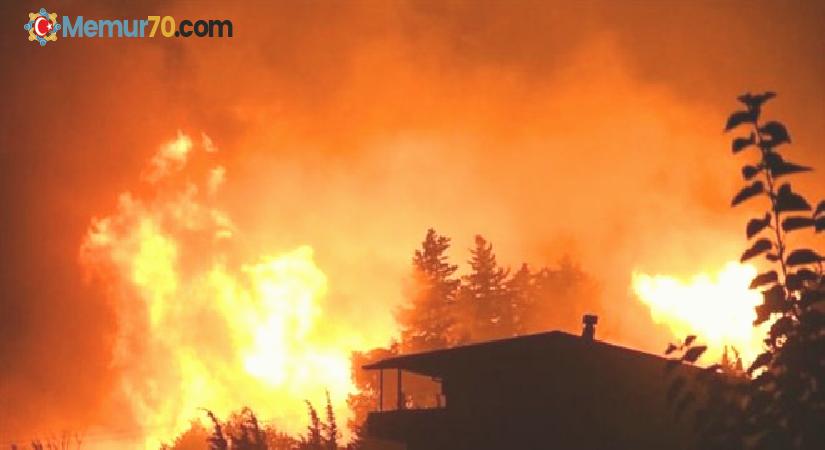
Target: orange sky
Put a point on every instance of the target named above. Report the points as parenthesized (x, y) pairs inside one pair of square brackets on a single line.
[(593, 130)]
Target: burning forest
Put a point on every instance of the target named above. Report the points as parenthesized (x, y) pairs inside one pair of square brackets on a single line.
[(369, 219)]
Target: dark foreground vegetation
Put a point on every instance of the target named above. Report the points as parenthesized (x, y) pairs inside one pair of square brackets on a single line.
[(243, 431), (778, 403)]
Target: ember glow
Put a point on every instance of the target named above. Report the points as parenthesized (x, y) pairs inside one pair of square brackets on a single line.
[(197, 331), (716, 307), (589, 130)]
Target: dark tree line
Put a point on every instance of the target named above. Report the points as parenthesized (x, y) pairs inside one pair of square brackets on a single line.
[(490, 301)]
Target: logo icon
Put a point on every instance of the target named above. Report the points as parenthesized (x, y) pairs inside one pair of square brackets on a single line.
[(42, 26)]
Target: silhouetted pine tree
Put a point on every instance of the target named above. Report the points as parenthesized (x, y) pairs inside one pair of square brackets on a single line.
[(522, 298), (557, 297), (485, 297), (434, 317), (427, 319)]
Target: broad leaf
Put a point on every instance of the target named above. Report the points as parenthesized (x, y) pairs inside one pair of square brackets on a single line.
[(793, 282), (757, 225), (747, 192), (763, 279), (758, 247), (754, 101), (820, 224), (670, 349), (789, 168), (693, 353), (780, 328), (820, 208), (741, 143), (774, 299), (763, 313), (689, 340), (807, 275), (787, 200), (763, 379), (796, 280), (738, 118), (779, 167), (803, 256), (776, 132), (749, 172), (797, 222), (762, 360)]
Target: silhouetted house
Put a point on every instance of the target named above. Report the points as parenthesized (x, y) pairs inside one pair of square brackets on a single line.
[(544, 391)]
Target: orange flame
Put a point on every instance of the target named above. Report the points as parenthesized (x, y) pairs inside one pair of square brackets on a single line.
[(718, 309), (197, 332)]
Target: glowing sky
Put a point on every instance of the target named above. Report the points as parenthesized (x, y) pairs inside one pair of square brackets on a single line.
[(591, 129)]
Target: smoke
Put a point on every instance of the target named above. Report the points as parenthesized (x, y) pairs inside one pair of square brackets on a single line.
[(591, 130)]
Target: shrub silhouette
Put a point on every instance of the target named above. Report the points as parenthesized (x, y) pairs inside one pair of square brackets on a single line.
[(321, 435), (778, 403)]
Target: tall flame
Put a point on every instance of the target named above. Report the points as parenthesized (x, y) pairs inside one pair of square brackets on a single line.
[(198, 332), (718, 308)]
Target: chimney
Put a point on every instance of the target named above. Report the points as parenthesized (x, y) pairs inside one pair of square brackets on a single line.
[(589, 331)]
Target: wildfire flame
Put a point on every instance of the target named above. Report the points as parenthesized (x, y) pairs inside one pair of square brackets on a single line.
[(718, 308), (196, 331)]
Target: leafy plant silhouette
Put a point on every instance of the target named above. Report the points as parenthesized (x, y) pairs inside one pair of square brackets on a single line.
[(241, 432), (321, 435), (779, 403), (217, 441)]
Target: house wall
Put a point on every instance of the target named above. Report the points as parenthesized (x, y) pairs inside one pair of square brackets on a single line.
[(595, 400)]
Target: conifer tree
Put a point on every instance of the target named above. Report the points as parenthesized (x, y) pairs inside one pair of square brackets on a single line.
[(484, 295), (427, 319), (522, 297), (557, 297)]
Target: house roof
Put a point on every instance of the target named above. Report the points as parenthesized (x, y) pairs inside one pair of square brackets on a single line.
[(511, 351)]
